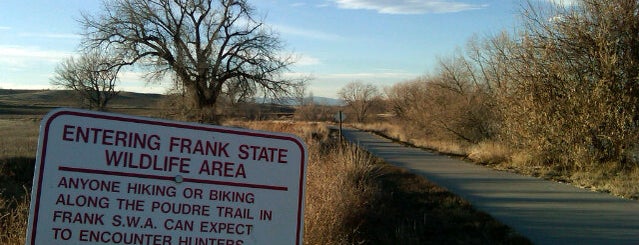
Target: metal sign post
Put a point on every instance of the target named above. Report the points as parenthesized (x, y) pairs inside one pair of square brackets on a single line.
[(340, 117)]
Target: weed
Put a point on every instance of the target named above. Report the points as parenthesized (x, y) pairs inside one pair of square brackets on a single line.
[(14, 215)]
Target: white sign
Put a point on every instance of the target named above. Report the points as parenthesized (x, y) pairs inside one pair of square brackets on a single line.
[(113, 179)]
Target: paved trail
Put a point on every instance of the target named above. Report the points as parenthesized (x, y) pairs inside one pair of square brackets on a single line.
[(546, 212)]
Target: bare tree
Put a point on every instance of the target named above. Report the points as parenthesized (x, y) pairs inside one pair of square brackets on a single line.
[(92, 76), (211, 46), (359, 97)]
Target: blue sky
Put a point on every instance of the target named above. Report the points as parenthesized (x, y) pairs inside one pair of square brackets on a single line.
[(335, 41)]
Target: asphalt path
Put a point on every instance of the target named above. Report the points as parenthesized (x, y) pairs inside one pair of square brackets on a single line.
[(544, 211)]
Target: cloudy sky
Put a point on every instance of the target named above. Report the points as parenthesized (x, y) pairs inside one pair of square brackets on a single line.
[(335, 41)]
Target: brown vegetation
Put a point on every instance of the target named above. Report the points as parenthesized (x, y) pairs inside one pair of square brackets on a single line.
[(557, 99), (351, 198), (17, 155)]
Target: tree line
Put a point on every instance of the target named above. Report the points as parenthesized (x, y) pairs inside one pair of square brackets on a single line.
[(564, 87)]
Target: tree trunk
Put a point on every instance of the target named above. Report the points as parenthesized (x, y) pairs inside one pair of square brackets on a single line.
[(206, 104)]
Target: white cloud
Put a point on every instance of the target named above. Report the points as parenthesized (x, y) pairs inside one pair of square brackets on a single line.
[(328, 84), (307, 33), (409, 6), (374, 76), (306, 60), (18, 57), (565, 3), (136, 81), (4, 28), (49, 35), (12, 85), (32, 52), (299, 59), (298, 4), (141, 88)]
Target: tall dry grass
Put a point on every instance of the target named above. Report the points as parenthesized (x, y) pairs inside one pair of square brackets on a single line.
[(17, 154), (340, 187), (339, 183), (14, 215)]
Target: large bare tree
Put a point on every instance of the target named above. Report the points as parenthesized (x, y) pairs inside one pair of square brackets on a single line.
[(208, 45), (91, 75)]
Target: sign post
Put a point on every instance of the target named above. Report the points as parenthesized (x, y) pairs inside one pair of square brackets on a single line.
[(340, 117), (113, 179)]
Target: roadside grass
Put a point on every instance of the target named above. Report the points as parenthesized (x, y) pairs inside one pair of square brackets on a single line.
[(411, 210), (607, 177), (398, 132)]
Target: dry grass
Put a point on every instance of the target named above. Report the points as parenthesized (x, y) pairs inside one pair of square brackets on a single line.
[(609, 177), (339, 190), (447, 147), (17, 154), (398, 132), (19, 137), (390, 130), (489, 153), (338, 183), (14, 215)]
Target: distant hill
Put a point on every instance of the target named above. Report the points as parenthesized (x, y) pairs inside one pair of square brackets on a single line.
[(327, 101), (39, 102), (37, 97), (14, 91), (140, 100), (70, 98)]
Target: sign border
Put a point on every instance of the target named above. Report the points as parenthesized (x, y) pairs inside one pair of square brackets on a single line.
[(52, 115)]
